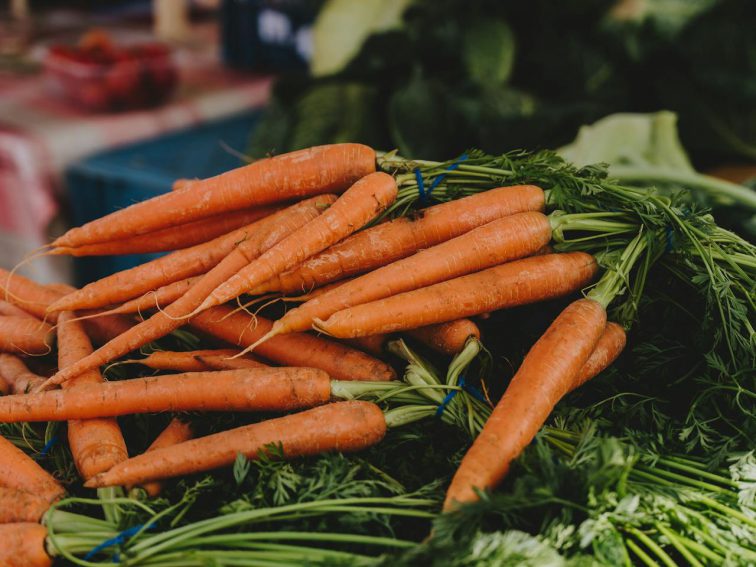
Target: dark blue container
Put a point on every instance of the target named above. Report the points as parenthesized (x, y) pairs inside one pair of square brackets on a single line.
[(113, 180), (268, 35)]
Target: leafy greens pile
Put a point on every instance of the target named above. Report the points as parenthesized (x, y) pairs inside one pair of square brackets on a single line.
[(433, 78)]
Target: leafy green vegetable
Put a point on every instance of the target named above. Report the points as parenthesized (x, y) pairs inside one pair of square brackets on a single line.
[(645, 149), (488, 50), (342, 27)]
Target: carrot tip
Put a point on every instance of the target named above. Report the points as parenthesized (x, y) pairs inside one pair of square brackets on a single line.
[(276, 330), (319, 326)]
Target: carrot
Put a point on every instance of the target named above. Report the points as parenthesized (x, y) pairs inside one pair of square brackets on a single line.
[(342, 426), (21, 506), (4, 386), (447, 338), (160, 298), (193, 360), (547, 373), (134, 282), (502, 240), (18, 377), (222, 362), (269, 231), (515, 283), (397, 239), (19, 471), (372, 344), (23, 545), (362, 202), (172, 238), (25, 335), (295, 349), (318, 291), (181, 184), (96, 444), (27, 294), (176, 432), (249, 389), (609, 346), (322, 169), (8, 309), (104, 327)]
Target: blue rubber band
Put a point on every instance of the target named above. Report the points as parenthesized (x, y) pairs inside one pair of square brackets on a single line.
[(445, 402), (474, 392), (424, 195), (117, 540), (48, 446), (420, 185)]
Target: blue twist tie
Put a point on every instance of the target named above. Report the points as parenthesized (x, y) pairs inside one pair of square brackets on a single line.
[(117, 540), (445, 402), (48, 446), (420, 185), (424, 195), (474, 392)]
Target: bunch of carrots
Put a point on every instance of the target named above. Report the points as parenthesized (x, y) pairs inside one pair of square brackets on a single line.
[(309, 227)]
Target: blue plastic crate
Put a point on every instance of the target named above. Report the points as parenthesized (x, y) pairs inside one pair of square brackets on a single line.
[(116, 179)]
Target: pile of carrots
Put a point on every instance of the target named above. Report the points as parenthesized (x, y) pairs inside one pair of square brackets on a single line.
[(296, 228)]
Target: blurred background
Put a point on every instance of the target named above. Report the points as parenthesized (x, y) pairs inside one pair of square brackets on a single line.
[(106, 103)]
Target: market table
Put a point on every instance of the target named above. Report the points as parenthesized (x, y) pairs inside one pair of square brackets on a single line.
[(41, 135)]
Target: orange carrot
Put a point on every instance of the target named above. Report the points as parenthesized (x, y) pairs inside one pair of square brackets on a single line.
[(609, 346), (19, 471), (515, 283), (176, 432), (318, 291), (18, 377), (221, 362), (4, 386), (8, 309), (194, 360), (20, 506), (23, 545), (249, 389), (160, 298), (392, 241), (359, 204), (96, 444), (322, 169), (101, 329), (105, 328), (547, 373), (172, 238), (448, 338), (27, 294), (134, 282), (181, 184), (25, 335), (269, 231), (502, 240), (373, 344), (295, 349), (342, 426)]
